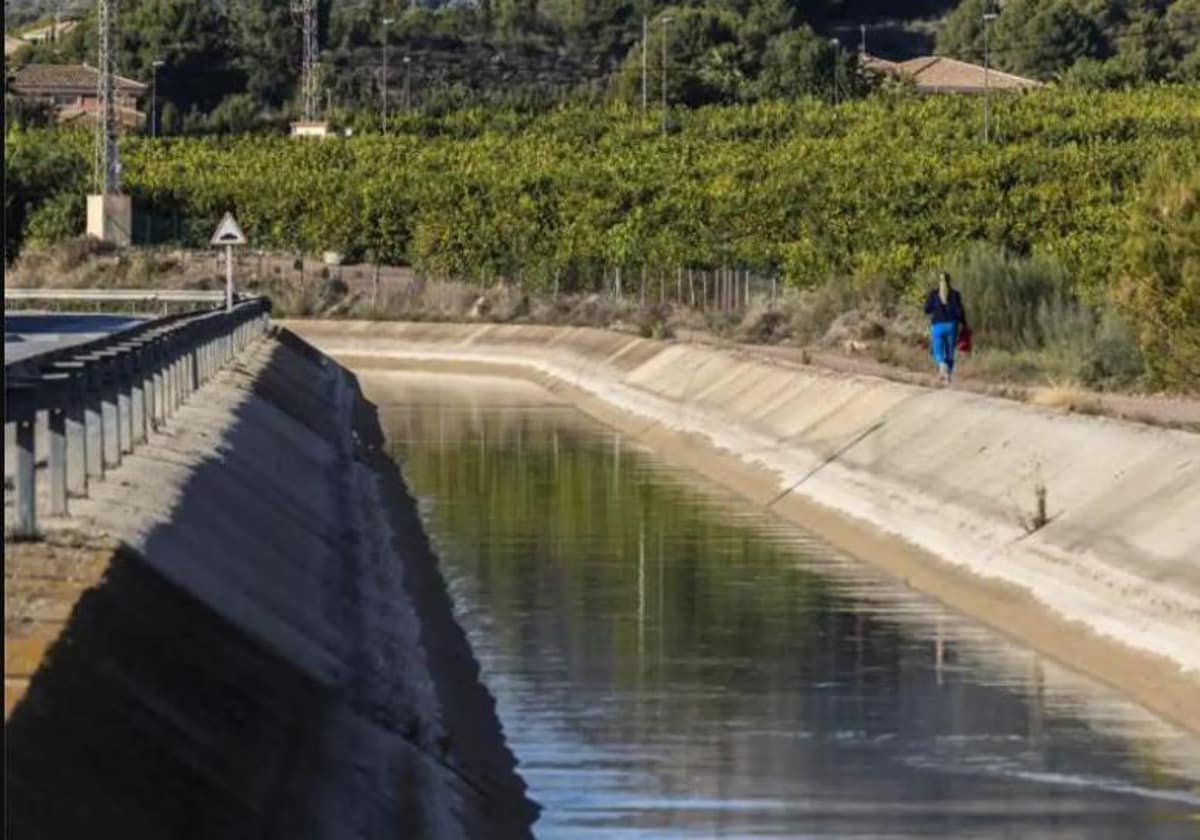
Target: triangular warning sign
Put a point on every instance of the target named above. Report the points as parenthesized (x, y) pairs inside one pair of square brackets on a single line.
[(228, 232)]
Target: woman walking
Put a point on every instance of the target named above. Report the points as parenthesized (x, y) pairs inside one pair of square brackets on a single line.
[(944, 307)]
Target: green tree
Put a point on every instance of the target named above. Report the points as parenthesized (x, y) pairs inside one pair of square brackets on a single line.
[(39, 168), (1183, 26), (961, 33), (801, 63), (267, 49), (1043, 38), (193, 42), (705, 59)]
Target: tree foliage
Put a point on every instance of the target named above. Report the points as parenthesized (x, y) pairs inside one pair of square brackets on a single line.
[(41, 167), (876, 188), (1094, 43)]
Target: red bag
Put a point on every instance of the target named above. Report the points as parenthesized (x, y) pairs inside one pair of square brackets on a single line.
[(964, 339)]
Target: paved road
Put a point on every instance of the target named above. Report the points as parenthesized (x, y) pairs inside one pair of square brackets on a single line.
[(27, 334)]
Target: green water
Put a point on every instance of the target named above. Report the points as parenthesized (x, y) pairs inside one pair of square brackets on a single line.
[(671, 662)]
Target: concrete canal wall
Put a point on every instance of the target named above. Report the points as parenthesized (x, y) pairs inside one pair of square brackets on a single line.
[(264, 647), (938, 486)]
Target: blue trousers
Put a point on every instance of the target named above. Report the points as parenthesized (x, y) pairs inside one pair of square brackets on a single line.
[(943, 339)]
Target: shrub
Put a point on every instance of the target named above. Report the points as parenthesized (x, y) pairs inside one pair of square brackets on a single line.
[(1014, 302), (1114, 359), (59, 217), (1160, 293)]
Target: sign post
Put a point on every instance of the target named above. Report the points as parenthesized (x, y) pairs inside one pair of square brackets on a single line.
[(228, 233)]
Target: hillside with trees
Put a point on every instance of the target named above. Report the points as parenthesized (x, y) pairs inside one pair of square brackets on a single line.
[(233, 65)]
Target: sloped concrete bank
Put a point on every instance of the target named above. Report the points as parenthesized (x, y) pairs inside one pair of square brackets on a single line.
[(938, 486), (270, 652)]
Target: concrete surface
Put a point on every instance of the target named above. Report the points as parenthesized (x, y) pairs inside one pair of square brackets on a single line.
[(270, 650), (951, 474), (30, 333)]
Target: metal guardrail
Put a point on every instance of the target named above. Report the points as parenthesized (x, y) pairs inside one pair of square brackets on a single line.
[(117, 295), (101, 399)]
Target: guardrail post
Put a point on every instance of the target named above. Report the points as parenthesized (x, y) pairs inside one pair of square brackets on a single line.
[(56, 385), (212, 340), (162, 394), (110, 409), (137, 395), (175, 375), (77, 484), (212, 346), (185, 382), (93, 419), (200, 354), (170, 374), (194, 345), (75, 397), (177, 371), (149, 395), (22, 412), (124, 400)]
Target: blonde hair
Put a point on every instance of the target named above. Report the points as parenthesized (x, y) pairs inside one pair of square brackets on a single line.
[(944, 287)]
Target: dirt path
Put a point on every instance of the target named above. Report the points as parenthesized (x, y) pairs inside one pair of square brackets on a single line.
[(1159, 410)]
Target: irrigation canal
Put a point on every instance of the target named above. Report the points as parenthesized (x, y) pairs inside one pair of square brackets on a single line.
[(671, 662)]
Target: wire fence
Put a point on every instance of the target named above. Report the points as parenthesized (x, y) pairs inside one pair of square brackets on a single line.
[(728, 289)]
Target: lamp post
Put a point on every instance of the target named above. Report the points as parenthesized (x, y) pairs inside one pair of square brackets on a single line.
[(384, 104), (665, 20), (645, 33), (837, 45), (407, 85), (154, 65), (988, 17)]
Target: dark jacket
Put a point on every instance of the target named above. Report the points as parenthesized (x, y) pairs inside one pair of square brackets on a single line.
[(950, 312)]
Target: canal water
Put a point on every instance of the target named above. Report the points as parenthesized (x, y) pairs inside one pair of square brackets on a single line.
[(669, 661)]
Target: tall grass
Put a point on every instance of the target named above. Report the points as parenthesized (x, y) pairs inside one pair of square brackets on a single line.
[(1016, 302)]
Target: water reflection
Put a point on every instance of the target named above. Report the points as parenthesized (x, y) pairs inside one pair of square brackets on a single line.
[(671, 662)]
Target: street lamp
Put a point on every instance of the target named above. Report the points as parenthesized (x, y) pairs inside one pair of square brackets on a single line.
[(665, 20), (645, 34), (384, 104), (988, 17), (407, 85), (837, 45), (154, 65)]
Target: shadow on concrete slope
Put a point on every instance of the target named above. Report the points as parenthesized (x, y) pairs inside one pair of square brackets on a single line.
[(264, 660), (153, 716)]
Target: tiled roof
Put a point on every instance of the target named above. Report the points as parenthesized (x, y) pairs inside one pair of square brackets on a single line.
[(938, 73), (882, 65), (67, 78)]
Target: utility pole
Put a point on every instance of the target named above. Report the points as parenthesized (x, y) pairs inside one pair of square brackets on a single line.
[(988, 17), (862, 39), (107, 168), (384, 106), (665, 20), (645, 37), (307, 11)]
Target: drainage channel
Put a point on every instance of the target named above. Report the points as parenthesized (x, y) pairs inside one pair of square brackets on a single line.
[(671, 662)]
